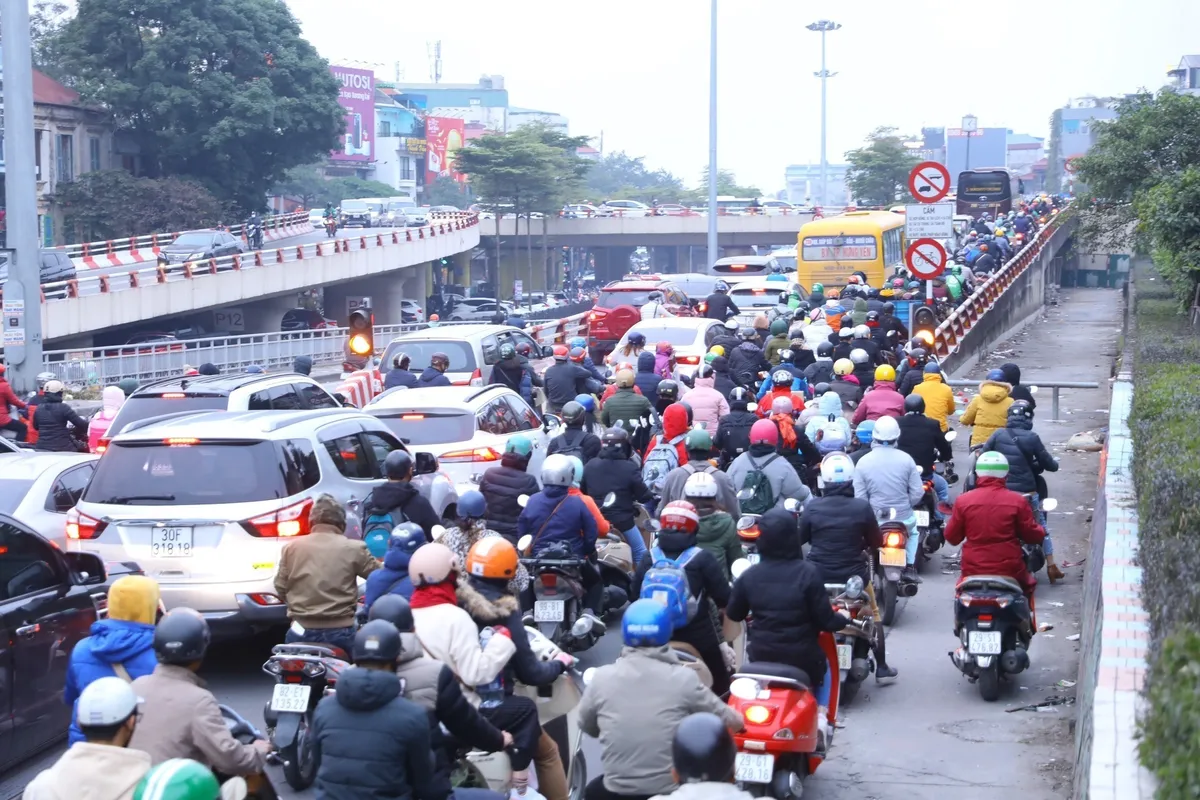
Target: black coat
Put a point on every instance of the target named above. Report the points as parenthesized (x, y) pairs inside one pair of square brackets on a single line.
[(1012, 376), (588, 443), (371, 743), (706, 579), (745, 362), (613, 472), (787, 598), (50, 418), (985, 264), (645, 378), (922, 438), (911, 379), (500, 487), (842, 349), (890, 322), (733, 433), (564, 381), (804, 456), (508, 373), (720, 306), (1027, 456), (728, 342), (723, 382), (872, 348), (819, 372), (402, 495), (839, 526)]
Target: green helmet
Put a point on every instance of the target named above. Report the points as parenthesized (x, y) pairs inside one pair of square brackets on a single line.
[(818, 287), (778, 326), (519, 445), (956, 269), (698, 440), (710, 357), (954, 287), (178, 779), (991, 465), (507, 351)]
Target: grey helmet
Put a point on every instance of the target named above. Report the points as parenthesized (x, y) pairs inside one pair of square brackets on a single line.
[(557, 470)]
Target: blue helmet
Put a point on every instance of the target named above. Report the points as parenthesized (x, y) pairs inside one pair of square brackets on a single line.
[(637, 338), (865, 430), (577, 341), (995, 375), (406, 536), (521, 445), (577, 462), (647, 623), (587, 401), (471, 505), (933, 367)]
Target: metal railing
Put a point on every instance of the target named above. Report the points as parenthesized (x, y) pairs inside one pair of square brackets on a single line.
[(151, 240), (1031, 384)]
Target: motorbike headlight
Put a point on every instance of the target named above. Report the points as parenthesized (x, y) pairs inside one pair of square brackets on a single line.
[(854, 587)]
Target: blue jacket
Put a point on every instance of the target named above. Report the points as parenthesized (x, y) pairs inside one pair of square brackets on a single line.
[(399, 377), (431, 377), (391, 578), (799, 382), (645, 378), (590, 366), (973, 254), (573, 524), (113, 641)]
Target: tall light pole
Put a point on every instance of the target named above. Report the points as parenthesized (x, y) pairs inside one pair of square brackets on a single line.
[(823, 27), (714, 251)]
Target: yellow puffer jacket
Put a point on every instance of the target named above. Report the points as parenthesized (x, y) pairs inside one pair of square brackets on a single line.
[(938, 397), (988, 411)]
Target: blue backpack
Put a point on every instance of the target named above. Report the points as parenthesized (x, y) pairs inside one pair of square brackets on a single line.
[(377, 530), (666, 582)]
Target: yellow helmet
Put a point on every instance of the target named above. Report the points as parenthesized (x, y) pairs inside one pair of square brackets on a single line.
[(884, 372), (717, 350), (843, 366)]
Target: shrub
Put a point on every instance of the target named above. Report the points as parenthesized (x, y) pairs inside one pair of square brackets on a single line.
[(1171, 731)]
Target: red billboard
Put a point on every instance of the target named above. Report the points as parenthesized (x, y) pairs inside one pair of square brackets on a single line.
[(445, 136), (356, 94)]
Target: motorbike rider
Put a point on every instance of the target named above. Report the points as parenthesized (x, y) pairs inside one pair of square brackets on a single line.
[(635, 344), (699, 447), (831, 406), (860, 442), (471, 527), (938, 397), (435, 373), (654, 307), (778, 341), (912, 371), (614, 471), (566, 379), (331, 212), (317, 575), (647, 379), (1017, 390), (728, 338), (664, 360), (890, 481), (8, 400), (629, 409), (399, 498), (717, 533), (845, 383), (513, 372), (922, 438), (986, 264), (882, 399), (180, 718), (840, 528), (733, 431), (629, 704), (51, 418), (863, 340), (704, 755), (762, 461), (988, 410), (888, 322), (392, 578), (747, 360), (719, 305), (722, 380), (864, 368), (780, 383), (400, 375), (707, 403), (762, 330), (821, 370), (843, 347), (254, 233), (794, 444), (502, 485), (575, 441)]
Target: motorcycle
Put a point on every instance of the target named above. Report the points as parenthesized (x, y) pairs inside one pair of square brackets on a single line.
[(258, 786), (331, 227), (1035, 556), (931, 527), (888, 573), (303, 673), (855, 644), (994, 624), (615, 559), (254, 235)]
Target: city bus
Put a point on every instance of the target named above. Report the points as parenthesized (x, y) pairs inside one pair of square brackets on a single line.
[(833, 248), (991, 190)]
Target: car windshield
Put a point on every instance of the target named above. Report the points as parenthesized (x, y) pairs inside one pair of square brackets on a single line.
[(461, 354), (193, 240), (677, 335), (145, 406), (610, 298), (12, 492), (418, 427), (787, 262), (757, 297), (354, 205), (203, 473), (375, 206), (697, 288)]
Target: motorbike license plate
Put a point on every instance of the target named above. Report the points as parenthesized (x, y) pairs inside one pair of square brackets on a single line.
[(170, 542), (984, 643), (753, 768), (922, 518), (845, 655), (752, 558), (889, 557), (548, 610), (290, 697)]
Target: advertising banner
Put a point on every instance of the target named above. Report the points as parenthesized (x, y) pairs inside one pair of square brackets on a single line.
[(357, 98), (444, 137)]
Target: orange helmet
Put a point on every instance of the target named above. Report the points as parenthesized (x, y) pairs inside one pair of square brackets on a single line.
[(492, 557), (680, 515), (561, 352), (852, 279), (434, 318)]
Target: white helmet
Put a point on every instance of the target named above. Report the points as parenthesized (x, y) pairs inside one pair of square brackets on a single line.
[(886, 432), (859, 356), (432, 564), (557, 470), (862, 332), (837, 468), (106, 701), (700, 485)]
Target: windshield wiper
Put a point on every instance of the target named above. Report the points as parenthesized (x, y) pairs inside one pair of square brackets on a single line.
[(126, 500)]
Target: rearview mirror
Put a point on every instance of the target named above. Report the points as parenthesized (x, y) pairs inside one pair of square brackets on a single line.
[(792, 505), (424, 463), (523, 500), (547, 351), (609, 499), (738, 567), (550, 422), (1033, 389), (951, 436), (88, 566), (524, 542), (745, 494)]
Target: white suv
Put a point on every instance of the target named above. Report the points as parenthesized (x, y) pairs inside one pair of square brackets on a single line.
[(472, 350), (624, 208)]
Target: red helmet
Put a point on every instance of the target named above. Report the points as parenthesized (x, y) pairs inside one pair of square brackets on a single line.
[(560, 352), (680, 515), (764, 432)]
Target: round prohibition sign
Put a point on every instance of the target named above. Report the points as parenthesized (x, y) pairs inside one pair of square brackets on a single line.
[(929, 182), (926, 258)]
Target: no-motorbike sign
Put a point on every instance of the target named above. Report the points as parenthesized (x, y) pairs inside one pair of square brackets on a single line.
[(926, 259), (929, 182)]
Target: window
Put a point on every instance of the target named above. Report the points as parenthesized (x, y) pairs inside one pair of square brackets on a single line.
[(892, 250), (380, 445), (349, 457), (37, 153), (527, 418), (94, 164), (315, 396), (277, 398), (497, 417), (711, 335), (406, 169), (67, 490), (385, 128), (64, 146), (28, 565), (298, 463)]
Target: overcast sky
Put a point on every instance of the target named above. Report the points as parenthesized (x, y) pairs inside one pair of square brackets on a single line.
[(638, 69)]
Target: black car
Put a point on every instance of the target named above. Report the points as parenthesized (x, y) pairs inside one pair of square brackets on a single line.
[(57, 267), (48, 602), (306, 319), (200, 245)]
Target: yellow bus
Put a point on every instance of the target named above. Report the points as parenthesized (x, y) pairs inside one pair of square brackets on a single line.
[(833, 248)]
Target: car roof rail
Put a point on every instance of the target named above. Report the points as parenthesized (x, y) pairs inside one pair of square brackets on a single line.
[(295, 417), (148, 421)]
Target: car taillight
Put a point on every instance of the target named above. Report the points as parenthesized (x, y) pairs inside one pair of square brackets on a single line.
[(81, 526), (692, 360), (478, 454), (597, 314), (285, 523), (102, 445), (476, 378)]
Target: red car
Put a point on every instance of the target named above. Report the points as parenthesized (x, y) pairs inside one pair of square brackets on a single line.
[(618, 308)]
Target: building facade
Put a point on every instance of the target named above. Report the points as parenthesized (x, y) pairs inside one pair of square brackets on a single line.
[(802, 184), (484, 103), (1186, 77), (400, 147)]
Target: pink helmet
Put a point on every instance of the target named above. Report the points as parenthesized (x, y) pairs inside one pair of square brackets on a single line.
[(433, 563), (761, 432)]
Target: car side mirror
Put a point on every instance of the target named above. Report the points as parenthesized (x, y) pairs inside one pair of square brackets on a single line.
[(424, 463), (87, 566), (550, 422), (547, 351), (951, 436)]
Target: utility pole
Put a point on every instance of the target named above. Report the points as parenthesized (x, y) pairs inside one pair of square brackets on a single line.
[(714, 250), (823, 27), (22, 331)]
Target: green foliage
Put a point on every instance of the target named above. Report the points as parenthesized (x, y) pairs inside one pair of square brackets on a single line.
[(619, 176), (726, 185), (878, 174), (309, 185), (1171, 727), (46, 18), (1053, 152), (534, 168), (225, 92), (446, 191), (111, 204)]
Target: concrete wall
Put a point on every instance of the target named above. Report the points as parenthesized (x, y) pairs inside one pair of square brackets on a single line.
[(758, 229)]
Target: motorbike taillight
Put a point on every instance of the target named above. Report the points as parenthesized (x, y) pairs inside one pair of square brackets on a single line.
[(549, 579), (290, 668)]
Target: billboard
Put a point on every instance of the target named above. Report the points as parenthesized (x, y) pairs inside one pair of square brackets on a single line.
[(356, 94), (443, 137)]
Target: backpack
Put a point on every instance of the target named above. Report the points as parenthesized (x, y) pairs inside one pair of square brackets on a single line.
[(565, 447), (762, 497), (666, 582), (659, 463), (377, 530)]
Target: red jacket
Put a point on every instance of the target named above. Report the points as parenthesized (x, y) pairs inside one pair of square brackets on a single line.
[(8, 398), (993, 522), (764, 405), (881, 400), (674, 423)]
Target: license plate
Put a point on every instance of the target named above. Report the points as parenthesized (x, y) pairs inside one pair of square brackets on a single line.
[(922, 518), (170, 542), (548, 610), (892, 558), (845, 655), (752, 558), (753, 768), (984, 643), (290, 697)]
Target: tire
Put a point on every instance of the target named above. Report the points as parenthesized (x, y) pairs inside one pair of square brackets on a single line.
[(922, 552), (989, 683), (577, 779), (888, 611), (849, 692), (299, 767)]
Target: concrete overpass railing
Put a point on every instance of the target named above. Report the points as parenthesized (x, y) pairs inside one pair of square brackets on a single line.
[(655, 230)]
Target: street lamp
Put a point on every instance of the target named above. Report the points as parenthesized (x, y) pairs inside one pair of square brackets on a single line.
[(823, 27), (713, 248)]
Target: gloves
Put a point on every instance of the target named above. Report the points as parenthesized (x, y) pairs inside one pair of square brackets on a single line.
[(501, 630), (566, 659), (729, 656), (844, 619)]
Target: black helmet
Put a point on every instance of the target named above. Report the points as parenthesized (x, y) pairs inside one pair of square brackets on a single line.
[(637, 339), (1020, 409), (748, 334), (786, 356), (703, 750), (378, 641), (181, 637), (615, 436), (821, 388), (440, 361), (507, 351), (398, 465), (889, 308), (914, 404), (784, 297), (804, 307), (668, 389), (872, 316), (825, 349), (739, 395), (396, 610), (573, 413)]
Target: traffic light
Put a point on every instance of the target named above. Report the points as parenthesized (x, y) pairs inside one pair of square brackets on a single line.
[(924, 323), (362, 332)]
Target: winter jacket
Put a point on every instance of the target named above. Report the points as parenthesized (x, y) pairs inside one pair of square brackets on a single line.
[(629, 704), (583, 444), (371, 743), (628, 409), (720, 306), (872, 349), (993, 522), (847, 388), (511, 373), (911, 380), (782, 476), (767, 399), (676, 479), (889, 479), (662, 363), (922, 438), (786, 596), (1027, 456), (839, 527), (708, 405), (111, 401), (449, 635), (718, 535), (881, 401), (820, 371), (460, 542), (9, 398), (316, 577), (733, 434), (829, 405), (803, 455), (500, 487), (50, 420), (939, 398), (400, 377), (614, 472), (490, 605), (553, 516), (1012, 375), (646, 378), (391, 578), (706, 582), (181, 719), (564, 381), (402, 496), (432, 377), (675, 425), (745, 362), (91, 772), (987, 411), (774, 345), (859, 314), (723, 382), (112, 641)]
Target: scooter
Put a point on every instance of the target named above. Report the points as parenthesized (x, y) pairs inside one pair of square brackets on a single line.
[(855, 644), (930, 527), (258, 786), (615, 558), (994, 624), (331, 227), (888, 574), (254, 235), (303, 673)]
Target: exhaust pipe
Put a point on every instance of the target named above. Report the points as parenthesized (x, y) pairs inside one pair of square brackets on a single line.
[(860, 668), (1014, 661), (907, 589), (959, 657)]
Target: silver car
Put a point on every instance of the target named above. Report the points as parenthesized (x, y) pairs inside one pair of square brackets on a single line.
[(40, 488), (206, 502)]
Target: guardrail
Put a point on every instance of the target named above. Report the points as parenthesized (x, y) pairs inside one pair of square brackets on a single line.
[(1054, 386)]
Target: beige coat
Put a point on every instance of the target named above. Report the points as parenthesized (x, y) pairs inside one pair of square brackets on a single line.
[(91, 772), (316, 577)]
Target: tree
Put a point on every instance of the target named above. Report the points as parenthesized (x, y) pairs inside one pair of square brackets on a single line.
[(113, 204), (726, 185), (445, 191), (225, 92), (878, 174), (624, 177), (309, 185)]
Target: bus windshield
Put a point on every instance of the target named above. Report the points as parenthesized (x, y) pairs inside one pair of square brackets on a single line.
[(994, 186)]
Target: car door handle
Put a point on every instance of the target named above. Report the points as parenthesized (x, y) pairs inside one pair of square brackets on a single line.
[(28, 630)]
